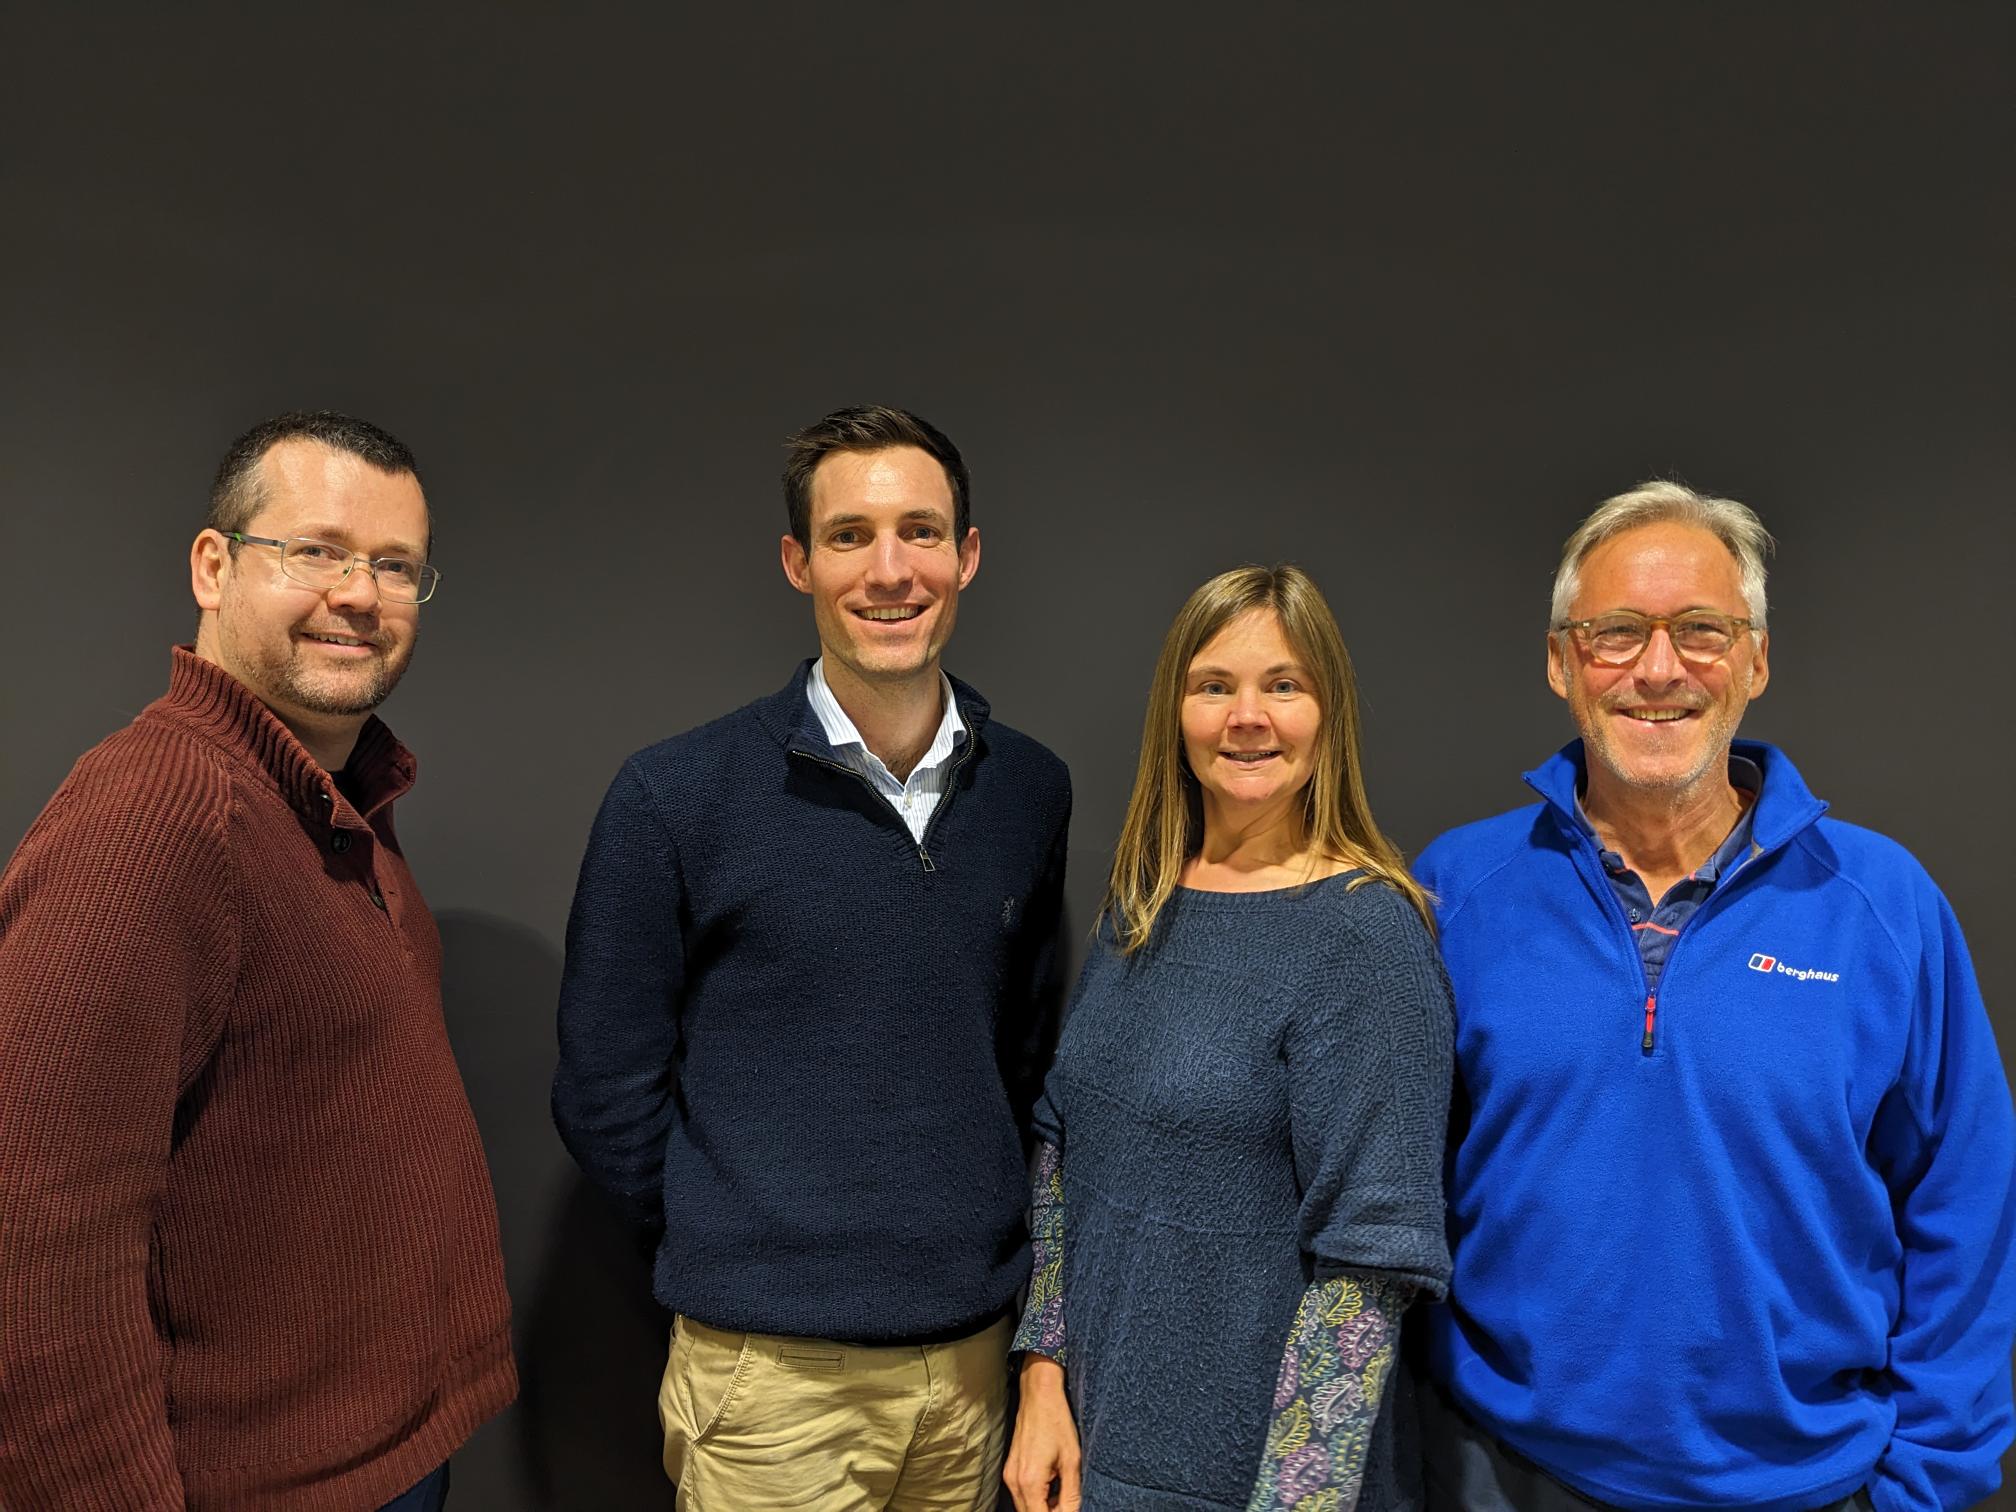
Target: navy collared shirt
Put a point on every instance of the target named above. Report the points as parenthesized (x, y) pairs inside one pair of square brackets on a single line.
[(1656, 926)]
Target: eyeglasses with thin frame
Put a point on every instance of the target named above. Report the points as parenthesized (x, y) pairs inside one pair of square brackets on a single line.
[(322, 564), (1619, 638)]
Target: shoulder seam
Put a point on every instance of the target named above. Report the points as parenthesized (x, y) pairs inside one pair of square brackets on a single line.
[(228, 870), (1804, 841), (1354, 923), (1476, 882), (658, 820)]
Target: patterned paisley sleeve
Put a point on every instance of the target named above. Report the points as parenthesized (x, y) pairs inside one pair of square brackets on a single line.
[(1042, 1330), (1334, 1371)]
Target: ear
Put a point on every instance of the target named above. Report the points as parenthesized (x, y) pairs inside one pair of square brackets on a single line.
[(209, 564), (969, 555), (1557, 667), (1760, 665), (797, 567)]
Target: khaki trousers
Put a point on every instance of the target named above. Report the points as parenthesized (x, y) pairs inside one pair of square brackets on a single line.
[(755, 1422)]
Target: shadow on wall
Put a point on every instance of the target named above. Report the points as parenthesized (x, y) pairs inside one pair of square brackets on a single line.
[(591, 1340)]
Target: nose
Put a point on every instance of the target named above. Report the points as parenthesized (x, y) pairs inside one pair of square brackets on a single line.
[(357, 591), (1659, 664), (888, 566), (1247, 711)]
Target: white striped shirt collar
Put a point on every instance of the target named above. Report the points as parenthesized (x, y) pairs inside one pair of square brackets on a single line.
[(846, 740)]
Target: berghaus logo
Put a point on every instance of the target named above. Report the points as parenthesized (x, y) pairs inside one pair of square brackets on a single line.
[(1769, 964)]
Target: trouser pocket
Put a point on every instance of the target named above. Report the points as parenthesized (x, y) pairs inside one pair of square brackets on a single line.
[(705, 1370)]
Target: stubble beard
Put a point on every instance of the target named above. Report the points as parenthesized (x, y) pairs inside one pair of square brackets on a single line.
[(1714, 757), (344, 695), (292, 681)]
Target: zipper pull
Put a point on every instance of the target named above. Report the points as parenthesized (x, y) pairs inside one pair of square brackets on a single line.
[(1651, 1008), (925, 856)]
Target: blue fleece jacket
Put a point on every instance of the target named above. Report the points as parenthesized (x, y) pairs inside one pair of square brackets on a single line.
[(800, 1038), (1767, 1260)]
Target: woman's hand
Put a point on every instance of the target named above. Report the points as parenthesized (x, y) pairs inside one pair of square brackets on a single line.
[(1042, 1468)]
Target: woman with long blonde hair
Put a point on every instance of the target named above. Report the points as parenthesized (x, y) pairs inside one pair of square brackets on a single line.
[(1245, 1120)]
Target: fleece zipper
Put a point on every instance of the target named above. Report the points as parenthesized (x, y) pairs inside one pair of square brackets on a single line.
[(1586, 851)]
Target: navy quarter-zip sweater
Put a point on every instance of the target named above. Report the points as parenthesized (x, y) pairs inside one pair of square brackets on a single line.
[(1769, 1258), (806, 1043)]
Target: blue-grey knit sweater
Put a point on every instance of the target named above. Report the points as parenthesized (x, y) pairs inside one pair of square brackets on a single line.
[(799, 1038), (1258, 1098)]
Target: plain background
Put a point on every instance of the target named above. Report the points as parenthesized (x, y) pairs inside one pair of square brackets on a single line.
[(1397, 294)]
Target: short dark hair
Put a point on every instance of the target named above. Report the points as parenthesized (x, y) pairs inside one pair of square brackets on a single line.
[(238, 493), (868, 428)]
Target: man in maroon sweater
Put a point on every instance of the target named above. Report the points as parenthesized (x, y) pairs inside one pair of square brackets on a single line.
[(248, 1247)]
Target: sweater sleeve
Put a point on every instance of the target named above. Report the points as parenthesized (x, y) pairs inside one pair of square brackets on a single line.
[(1368, 1052), (1030, 1013), (613, 1099), (1945, 1143), (118, 954)]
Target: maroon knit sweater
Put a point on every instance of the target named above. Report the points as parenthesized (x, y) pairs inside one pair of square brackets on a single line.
[(248, 1247)]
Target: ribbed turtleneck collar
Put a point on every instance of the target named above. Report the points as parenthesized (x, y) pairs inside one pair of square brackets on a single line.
[(205, 696)]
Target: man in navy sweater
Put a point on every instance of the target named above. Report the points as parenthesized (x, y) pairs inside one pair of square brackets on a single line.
[(807, 999), (1731, 1182)]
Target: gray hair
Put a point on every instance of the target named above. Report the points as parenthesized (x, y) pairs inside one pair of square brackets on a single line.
[(1735, 525)]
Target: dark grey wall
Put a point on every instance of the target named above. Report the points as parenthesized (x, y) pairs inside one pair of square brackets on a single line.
[(1397, 296)]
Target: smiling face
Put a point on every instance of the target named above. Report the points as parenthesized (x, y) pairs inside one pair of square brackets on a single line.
[(1250, 719), (884, 571), (312, 654), (1663, 723)]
